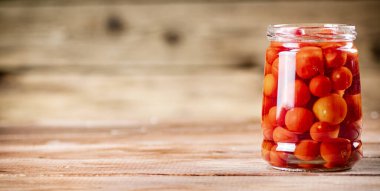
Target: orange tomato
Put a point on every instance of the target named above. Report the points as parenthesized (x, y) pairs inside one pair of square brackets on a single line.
[(272, 54), (270, 85), (309, 62), (299, 119), (268, 103), (350, 131), (266, 147), (321, 131), (341, 78), (336, 151), (267, 128), (277, 118), (283, 135), (278, 158), (354, 106), (267, 69), (301, 94), (320, 86), (307, 150), (274, 68), (334, 57), (331, 109)]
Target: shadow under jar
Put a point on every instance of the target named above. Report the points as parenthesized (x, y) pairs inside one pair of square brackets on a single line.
[(311, 114)]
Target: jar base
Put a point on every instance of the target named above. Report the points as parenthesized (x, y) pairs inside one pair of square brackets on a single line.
[(289, 169)]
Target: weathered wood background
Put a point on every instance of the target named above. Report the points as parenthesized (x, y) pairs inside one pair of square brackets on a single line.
[(91, 62)]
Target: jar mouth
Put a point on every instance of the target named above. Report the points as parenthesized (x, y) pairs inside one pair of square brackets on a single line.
[(311, 32)]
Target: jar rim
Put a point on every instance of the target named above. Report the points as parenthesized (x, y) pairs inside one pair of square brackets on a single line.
[(311, 32)]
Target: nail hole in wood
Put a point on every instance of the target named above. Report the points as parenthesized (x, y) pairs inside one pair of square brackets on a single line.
[(115, 25), (172, 37), (245, 63)]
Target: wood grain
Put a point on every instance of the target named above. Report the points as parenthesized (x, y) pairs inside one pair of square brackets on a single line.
[(100, 61), (177, 156)]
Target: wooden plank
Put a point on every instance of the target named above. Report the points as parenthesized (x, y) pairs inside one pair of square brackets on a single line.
[(158, 183), (88, 97), (153, 61), (224, 149), (165, 34)]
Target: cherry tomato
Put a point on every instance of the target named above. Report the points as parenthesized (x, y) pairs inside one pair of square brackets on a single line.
[(320, 86), (307, 150), (334, 57), (321, 131), (350, 131), (278, 158), (341, 78), (299, 119), (302, 94), (267, 128), (354, 106), (331, 109), (268, 103), (267, 69), (355, 86), (309, 62), (274, 68), (283, 135), (336, 151), (266, 147), (270, 85), (272, 54), (277, 118), (352, 63)]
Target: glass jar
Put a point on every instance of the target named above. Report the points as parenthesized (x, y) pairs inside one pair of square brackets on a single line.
[(311, 114)]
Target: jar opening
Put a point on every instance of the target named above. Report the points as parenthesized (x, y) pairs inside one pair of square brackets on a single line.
[(311, 32)]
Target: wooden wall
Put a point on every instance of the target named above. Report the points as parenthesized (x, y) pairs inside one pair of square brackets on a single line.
[(83, 61)]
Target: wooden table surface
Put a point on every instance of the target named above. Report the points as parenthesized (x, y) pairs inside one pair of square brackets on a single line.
[(163, 156)]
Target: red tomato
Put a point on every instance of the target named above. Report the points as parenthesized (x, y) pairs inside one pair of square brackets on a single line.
[(307, 150), (334, 57), (336, 151), (341, 78), (355, 87), (268, 103), (278, 158), (270, 85), (299, 119), (277, 118), (352, 63), (331, 109), (266, 147), (350, 131), (267, 128), (321, 131), (302, 93), (320, 86), (354, 106), (309, 62), (281, 134), (274, 68)]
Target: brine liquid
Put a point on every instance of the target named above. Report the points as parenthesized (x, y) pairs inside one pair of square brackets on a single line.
[(311, 114)]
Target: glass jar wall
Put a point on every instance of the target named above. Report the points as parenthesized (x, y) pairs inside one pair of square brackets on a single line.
[(311, 113)]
